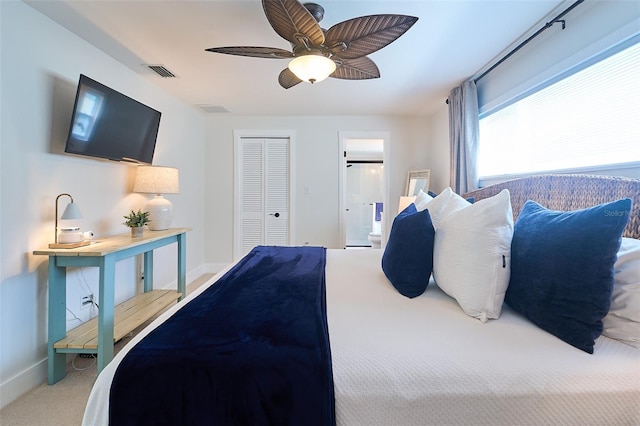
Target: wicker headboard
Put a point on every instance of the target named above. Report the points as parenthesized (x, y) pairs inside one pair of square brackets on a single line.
[(569, 192)]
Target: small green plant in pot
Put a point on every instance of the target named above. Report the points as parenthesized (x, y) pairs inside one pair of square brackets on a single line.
[(136, 221)]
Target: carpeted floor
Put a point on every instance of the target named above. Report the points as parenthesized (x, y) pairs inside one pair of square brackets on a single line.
[(63, 403)]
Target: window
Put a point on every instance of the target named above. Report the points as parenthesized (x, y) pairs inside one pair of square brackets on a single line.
[(591, 118), (90, 106)]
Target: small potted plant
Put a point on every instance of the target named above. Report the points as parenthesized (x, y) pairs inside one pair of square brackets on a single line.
[(136, 222)]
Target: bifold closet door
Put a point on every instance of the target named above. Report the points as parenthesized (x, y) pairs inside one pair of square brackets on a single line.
[(262, 204)]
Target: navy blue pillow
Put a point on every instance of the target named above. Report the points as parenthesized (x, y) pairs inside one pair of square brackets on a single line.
[(562, 268), (408, 257)]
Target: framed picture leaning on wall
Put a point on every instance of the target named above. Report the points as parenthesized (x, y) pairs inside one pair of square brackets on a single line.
[(417, 180)]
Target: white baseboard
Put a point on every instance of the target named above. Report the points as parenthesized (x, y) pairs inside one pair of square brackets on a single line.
[(208, 268), (23, 382), (214, 268)]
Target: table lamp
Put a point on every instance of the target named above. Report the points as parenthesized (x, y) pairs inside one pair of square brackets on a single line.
[(70, 212), (157, 180), (405, 201)]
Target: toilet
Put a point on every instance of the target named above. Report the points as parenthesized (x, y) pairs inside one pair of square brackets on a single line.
[(376, 226), (374, 239)]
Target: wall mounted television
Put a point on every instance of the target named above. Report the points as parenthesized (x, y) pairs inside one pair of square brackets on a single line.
[(110, 125)]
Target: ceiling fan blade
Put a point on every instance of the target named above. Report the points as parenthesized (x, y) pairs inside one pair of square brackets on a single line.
[(253, 52), (366, 34), (290, 18), (288, 79), (356, 69)]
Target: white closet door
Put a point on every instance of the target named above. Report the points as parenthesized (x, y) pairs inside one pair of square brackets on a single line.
[(277, 192), (252, 195), (263, 193)]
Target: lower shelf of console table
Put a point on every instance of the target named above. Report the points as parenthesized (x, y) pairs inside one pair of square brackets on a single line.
[(128, 316)]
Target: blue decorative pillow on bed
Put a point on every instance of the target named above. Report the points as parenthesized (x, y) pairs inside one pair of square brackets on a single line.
[(562, 268), (408, 257)]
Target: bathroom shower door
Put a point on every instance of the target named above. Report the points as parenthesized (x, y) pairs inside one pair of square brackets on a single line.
[(364, 188)]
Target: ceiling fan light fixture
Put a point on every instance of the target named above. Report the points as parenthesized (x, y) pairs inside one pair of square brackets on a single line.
[(312, 67), (339, 52)]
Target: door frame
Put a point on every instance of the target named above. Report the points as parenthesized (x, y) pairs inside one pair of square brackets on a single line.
[(342, 183), (238, 135)]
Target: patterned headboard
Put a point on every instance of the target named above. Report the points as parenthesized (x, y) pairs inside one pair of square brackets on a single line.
[(569, 192)]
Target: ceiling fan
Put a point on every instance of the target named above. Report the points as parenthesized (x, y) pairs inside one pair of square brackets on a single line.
[(339, 52)]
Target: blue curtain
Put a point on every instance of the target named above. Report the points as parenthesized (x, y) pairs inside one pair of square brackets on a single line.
[(463, 137)]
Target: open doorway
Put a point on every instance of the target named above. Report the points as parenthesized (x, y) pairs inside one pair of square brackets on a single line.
[(363, 189), (364, 202)]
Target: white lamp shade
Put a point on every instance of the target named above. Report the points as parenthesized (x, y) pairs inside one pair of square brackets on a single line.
[(312, 67), (71, 212), (405, 201), (156, 180), (160, 213)]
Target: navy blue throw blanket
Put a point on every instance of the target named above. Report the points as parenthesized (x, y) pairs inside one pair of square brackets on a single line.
[(252, 349)]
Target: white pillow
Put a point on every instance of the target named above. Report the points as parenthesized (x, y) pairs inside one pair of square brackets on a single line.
[(421, 199), (441, 206), (623, 320), (472, 255)]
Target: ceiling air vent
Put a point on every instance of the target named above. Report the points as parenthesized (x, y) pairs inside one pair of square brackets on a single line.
[(213, 109), (161, 71)]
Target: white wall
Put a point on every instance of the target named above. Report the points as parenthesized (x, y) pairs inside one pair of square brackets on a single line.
[(438, 149), (317, 162), (41, 63)]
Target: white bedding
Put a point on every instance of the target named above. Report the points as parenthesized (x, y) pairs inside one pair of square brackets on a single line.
[(422, 361)]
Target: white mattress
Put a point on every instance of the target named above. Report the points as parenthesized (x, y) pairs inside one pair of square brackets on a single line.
[(422, 361)]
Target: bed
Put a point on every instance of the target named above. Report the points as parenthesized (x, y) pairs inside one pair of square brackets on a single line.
[(422, 360)]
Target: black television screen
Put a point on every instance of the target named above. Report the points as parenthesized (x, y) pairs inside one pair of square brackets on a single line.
[(107, 124)]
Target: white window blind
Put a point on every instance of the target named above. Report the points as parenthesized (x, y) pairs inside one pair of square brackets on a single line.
[(590, 118)]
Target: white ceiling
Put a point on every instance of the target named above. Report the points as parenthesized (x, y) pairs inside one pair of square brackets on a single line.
[(451, 41)]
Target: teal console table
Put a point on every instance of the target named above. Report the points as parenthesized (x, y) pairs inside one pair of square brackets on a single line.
[(113, 322)]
